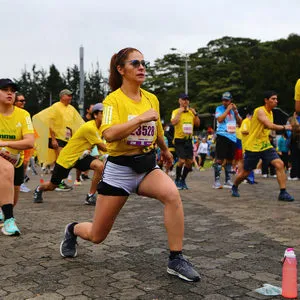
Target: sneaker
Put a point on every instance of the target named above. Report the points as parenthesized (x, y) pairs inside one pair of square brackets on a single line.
[(77, 182), (273, 176), (184, 185), (37, 196), (84, 177), (1, 216), (24, 188), (68, 244), (217, 185), (178, 183), (63, 187), (182, 268), (90, 200), (228, 184), (285, 196), (265, 175), (292, 178), (235, 191), (10, 227)]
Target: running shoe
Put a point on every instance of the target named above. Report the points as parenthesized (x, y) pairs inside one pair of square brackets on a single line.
[(217, 185), (90, 200), (69, 243), (184, 186), (265, 175), (182, 268), (37, 196), (235, 191), (10, 227), (285, 196), (293, 178), (228, 184), (24, 188), (63, 187), (178, 183), (84, 177), (77, 182)]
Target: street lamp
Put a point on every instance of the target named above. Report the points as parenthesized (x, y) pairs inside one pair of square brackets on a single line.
[(186, 58)]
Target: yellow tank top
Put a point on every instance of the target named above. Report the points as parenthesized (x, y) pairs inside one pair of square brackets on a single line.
[(258, 139)]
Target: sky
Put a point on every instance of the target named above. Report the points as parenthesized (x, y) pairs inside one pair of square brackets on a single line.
[(45, 32)]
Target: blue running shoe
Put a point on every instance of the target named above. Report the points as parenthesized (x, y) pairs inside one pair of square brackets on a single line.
[(10, 227), (178, 184), (182, 268), (235, 191), (285, 196), (69, 243), (37, 196), (183, 185)]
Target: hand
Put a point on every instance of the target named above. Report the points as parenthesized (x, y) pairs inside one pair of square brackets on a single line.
[(193, 111), (166, 157), (149, 115), (288, 127), (3, 143), (54, 143)]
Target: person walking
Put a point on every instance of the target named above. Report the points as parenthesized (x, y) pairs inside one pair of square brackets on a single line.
[(258, 146), (16, 135), (131, 127), (184, 119), (228, 118)]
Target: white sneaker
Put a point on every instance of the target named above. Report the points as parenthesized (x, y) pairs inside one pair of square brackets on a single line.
[(217, 185), (228, 184), (293, 179), (24, 188), (265, 176)]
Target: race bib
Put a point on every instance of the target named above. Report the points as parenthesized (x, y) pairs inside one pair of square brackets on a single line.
[(12, 158), (231, 127), (143, 135), (187, 128)]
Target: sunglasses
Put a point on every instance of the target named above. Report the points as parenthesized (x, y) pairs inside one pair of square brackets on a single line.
[(22, 101), (136, 63)]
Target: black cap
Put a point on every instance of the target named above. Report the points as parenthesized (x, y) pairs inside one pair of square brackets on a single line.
[(5, 82), (184, 96)]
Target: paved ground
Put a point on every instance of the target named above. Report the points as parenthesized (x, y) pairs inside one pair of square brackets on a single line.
[(236, 244)]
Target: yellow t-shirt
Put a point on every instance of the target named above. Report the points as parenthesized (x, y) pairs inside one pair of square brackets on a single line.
[(119, 109), (184, 128), (297, 90), (244, 130), (13, 128), (84, 139), (64, 120), (258, 139)]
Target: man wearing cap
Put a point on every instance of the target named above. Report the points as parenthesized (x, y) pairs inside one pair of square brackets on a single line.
[(63, 120), (184, 119), (228, 118), (16, 135), (76, 154)]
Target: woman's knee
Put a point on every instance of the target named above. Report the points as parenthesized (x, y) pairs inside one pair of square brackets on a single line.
[(6, 170), (97, 239)]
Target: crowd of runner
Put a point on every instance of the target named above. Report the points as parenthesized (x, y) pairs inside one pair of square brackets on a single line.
[(123, 142)]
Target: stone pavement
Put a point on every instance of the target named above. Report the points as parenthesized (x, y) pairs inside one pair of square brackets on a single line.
[(235, 243)]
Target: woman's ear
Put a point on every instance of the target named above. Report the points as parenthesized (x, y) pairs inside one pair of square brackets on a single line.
[(120, 69)]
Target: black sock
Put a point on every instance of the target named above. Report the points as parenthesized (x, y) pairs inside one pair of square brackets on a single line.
[(282, 190), (7, 210), (178, 172), (174, 254), (71, 227)]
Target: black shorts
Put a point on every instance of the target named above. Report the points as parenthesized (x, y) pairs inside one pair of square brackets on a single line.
[(19, 176), (225, 148), (184, 148), (252, 158), (61, 143), (60, 173)]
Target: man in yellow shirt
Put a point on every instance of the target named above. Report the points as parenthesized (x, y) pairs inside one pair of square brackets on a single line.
[(297, 96), (184, 119), (76, 154), (258, 146)]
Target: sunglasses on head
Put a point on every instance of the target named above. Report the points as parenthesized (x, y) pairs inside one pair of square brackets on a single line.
[(136, 63)]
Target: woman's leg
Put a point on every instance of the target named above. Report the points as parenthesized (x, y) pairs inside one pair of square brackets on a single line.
[(106, 212), (6, 182), (159, 186)]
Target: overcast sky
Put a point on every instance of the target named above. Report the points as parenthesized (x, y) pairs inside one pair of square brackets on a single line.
[(43, 32)]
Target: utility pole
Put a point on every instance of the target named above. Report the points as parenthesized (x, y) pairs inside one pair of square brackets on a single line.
[(81, 83)]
